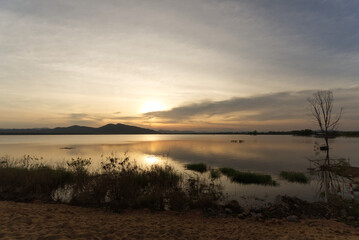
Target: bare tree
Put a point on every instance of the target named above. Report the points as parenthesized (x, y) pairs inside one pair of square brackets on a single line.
[(322, 103)]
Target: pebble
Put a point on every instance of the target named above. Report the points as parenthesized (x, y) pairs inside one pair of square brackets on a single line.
[(293, 218)]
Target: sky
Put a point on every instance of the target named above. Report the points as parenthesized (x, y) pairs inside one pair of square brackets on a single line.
[(208, 65)]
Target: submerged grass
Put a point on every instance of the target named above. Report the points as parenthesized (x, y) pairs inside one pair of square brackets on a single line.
[(248, 177), (294, 176), (198, 167)]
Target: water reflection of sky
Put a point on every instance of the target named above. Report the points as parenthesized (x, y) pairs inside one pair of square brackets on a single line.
[(267, 154)]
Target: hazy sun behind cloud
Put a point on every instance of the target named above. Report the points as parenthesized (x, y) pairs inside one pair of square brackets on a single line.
[(152, 106)]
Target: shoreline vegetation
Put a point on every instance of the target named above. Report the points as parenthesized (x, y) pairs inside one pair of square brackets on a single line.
[(120, 184)]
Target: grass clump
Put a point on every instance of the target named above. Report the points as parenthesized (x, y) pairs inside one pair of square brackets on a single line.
[(23, 184), (294, 176), (248, 177), (215, 173), (197, 167)]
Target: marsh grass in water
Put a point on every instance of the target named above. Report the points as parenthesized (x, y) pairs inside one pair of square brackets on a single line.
[(248, 177), (198, 167), (294, 177)]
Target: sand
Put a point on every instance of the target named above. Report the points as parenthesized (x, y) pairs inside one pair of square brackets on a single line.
[(57, 221)]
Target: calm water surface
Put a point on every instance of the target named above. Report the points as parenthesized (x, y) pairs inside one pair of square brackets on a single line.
[(264, 154)]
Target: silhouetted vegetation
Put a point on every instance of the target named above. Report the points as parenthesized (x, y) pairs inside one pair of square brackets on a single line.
[(23, 184), (248, 177), (215, 173), (119, 184), (294, 176), (198, 167), (304, 132), (347, 134)]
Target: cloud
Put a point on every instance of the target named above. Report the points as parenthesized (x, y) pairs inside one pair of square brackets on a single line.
[(275, 101), (282, 106)]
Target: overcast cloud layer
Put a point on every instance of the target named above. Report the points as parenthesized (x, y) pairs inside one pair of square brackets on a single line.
[(214, 64)]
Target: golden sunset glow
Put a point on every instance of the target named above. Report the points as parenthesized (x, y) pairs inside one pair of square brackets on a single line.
[(152, 106), (150, 160), (222, 66)]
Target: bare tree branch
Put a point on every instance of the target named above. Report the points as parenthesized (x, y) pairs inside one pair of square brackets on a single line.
[(321, 104)]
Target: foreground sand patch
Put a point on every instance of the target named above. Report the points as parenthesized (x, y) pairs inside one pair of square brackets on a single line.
[(57, 221)]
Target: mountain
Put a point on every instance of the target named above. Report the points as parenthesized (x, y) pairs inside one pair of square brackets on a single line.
[(107, 129)]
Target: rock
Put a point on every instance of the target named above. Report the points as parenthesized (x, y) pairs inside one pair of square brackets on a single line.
[(146, 211), (234, 206), (293, 218), (210, 212), (278, 200), (343, 213), (228, 211), (259, 216), (247, 212)]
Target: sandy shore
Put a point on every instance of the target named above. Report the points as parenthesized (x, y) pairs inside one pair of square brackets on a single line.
[(56, 221)]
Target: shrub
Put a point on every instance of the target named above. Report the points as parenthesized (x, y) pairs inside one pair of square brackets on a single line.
[(81, 174)]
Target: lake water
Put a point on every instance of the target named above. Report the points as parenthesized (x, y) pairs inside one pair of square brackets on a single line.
[(264, 154)]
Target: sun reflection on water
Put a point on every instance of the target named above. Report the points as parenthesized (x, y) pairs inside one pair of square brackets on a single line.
[(150, 160)]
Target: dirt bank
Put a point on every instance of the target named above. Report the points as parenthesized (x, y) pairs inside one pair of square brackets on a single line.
[(57, 221)]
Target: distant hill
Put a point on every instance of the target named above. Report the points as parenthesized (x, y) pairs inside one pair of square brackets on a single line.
[(176, 132), (107, 129)]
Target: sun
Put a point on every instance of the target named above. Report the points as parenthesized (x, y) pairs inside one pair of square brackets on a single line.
[(152, 106)]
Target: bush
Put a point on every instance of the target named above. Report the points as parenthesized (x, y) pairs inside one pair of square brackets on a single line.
[(81, 174)]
